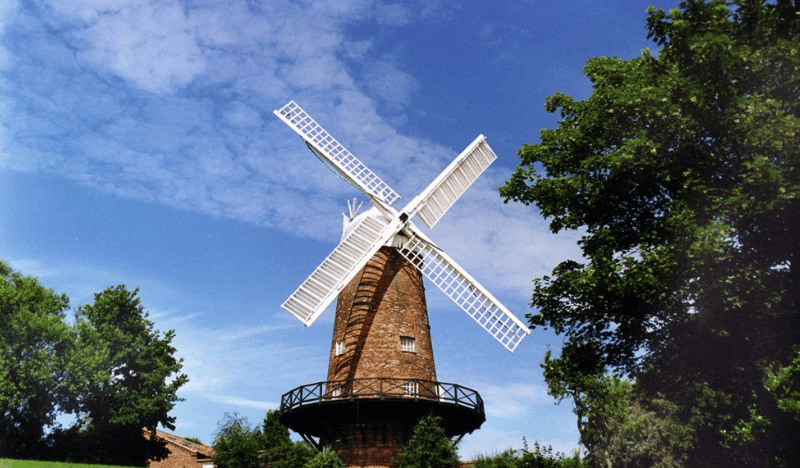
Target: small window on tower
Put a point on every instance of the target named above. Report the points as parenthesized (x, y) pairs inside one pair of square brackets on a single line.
[(407, 343), (339, 347), (410, 388)]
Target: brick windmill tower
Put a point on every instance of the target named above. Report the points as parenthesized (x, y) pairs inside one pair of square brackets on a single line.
[(381, 375)]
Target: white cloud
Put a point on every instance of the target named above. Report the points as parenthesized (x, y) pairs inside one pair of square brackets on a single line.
[(8, 8), (29, 267), (151, 44), (392, 15), (239, 114), (389, 83), (512, 401), (214, 147), (244, 402)]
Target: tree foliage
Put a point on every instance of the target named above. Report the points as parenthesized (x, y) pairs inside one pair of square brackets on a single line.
[(110, 369), (429, 447), (33, 341), (238, 445), (325, 458), (616, 426), (127, 383), (683, 171), (539, 457)]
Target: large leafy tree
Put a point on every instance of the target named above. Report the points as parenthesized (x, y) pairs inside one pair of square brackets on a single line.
[(125, 379), (683, 171), (33, 341), (110, 368), (617, 428), (278, 450), (429, 447), (238, 445)]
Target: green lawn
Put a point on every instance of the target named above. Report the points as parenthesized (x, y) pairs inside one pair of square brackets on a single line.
[(9, 463)]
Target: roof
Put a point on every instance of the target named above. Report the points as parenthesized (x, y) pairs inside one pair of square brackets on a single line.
[(172, 439)]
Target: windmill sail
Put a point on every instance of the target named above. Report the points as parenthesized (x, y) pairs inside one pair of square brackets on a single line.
[(333, 274), (459, 286), (365, 236), (440, 195), (336, 155)]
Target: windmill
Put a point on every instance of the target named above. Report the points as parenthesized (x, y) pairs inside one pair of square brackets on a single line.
[(381, 376)]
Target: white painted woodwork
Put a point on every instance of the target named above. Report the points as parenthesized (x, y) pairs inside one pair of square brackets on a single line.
[(337, 156), (382, 225), (443, 192), (333, 274), (465, 291)]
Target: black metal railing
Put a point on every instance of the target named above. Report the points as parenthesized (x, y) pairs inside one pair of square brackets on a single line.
[(381, 388)]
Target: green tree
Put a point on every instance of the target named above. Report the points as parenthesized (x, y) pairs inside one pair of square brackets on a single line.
[(274, 433), (33, 340), (277, 449), (111, 369), (124, 379), (600, 402), (301, 453), (683, 171), (784, 384), (236, 444), (539, 457), (325, 458), (649, 434), (616, 425), (429, 447)]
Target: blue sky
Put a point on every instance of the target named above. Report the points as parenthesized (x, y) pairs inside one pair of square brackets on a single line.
[(138, 147)]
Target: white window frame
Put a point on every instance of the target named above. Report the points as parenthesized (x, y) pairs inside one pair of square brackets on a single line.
[(408, 344), (339, 347), (336, 391), (410, 388)]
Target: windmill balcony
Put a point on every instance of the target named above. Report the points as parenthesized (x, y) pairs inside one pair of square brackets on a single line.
[(381, 388), (315, 409)]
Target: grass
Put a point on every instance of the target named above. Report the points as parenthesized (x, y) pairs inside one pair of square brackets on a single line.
[(9, 463)]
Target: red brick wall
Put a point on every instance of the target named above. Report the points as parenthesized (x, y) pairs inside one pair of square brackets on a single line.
[(384, 302)]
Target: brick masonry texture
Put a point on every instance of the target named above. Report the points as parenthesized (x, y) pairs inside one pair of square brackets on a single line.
[(384, 302)]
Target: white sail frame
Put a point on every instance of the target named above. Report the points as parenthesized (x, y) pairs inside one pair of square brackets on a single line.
[(381, 227), (335, 154), (448, 187), (454, 281), (314, 295)]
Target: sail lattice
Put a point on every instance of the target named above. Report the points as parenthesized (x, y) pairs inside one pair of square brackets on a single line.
[(446, 189), (333, 274), (467, 293), (342, 160)]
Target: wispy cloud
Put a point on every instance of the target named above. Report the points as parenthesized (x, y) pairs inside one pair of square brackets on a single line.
[(172, 103), (245, 403), (514, 400), (31, 268)]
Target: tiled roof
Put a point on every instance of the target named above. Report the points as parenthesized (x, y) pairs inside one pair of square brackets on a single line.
[(201, 449)]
